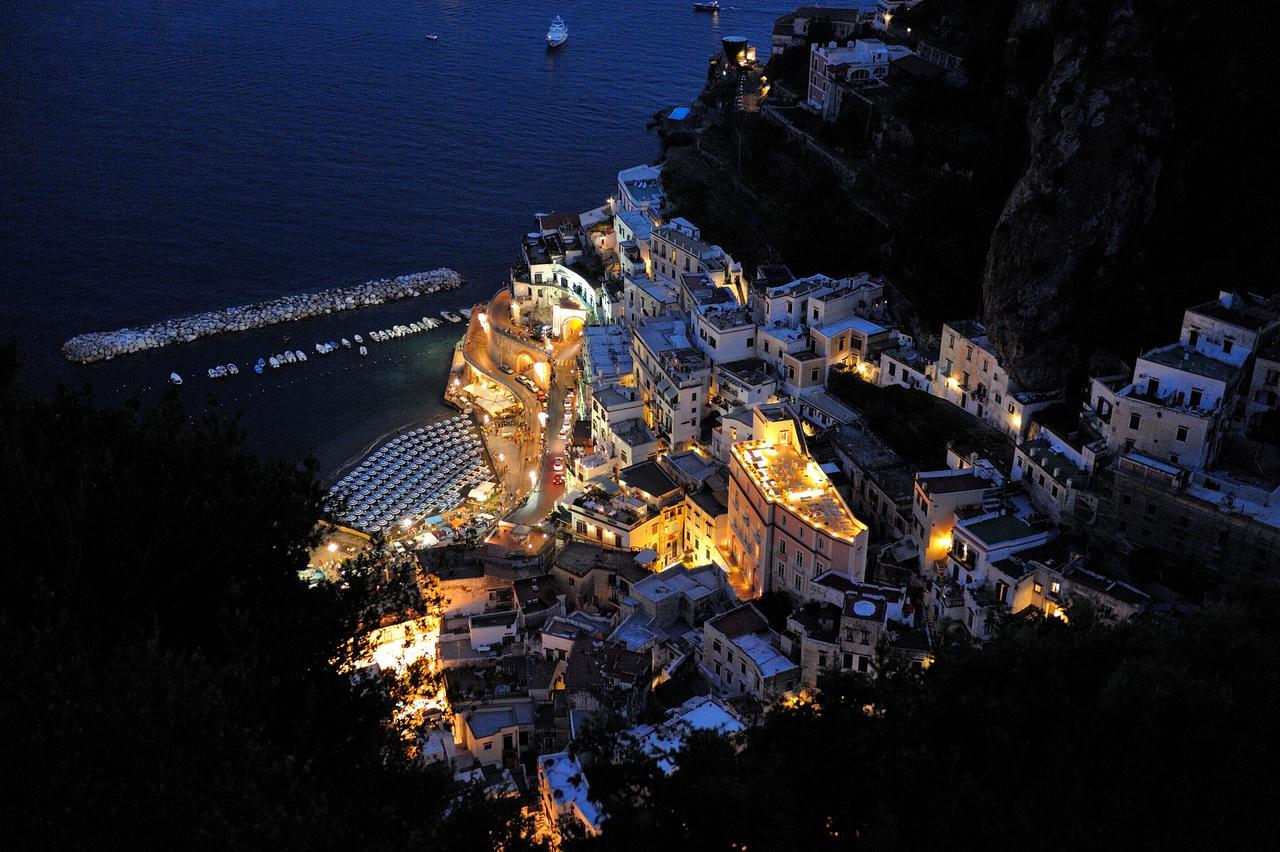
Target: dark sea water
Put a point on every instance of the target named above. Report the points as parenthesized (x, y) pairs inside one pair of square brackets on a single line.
[(165, 157)]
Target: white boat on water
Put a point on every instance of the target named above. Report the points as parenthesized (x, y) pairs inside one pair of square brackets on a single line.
[(450, 316), (232, 369), (364, 351), (274, 361), (300, 355), (175, 378), (357, 338), (346, 344), (291, 358), (558, 34), (465, 313)]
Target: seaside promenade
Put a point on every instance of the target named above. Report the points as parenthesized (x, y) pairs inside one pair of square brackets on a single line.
[(480, 351)]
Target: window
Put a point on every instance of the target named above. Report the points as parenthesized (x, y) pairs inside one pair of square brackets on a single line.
[(1055, 587), (797, 582), (1193, 338), (581, 527), (863, 664), (893, 369), (968, 353), (1181, 434), (1037, 588), (1135, 420), (488, 746), (847, 661), (822, 659), (751, 341), (813, 374), (1227, 345), (1002, 592), (947, 367), (1196, 395)]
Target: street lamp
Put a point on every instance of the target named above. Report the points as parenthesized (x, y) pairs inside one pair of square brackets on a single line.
[(533, 478)]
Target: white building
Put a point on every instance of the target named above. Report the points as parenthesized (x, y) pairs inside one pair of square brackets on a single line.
[(863, 60), (563, 790)]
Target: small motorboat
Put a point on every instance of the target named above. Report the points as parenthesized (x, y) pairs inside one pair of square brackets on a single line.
[(357, 338), (213, 374), (300, 355), (233, 370), (713, 6), (291, 358), (274, 362), (346, 344), (257, 368), (432, 37), (364, 351), (175, 378), (450, 316), (558, 34)]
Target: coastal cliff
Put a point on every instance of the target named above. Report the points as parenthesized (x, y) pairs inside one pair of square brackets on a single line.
[(1075, 227), (1097, 166)]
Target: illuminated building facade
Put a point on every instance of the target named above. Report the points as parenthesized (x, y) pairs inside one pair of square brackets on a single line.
[(787, 523)]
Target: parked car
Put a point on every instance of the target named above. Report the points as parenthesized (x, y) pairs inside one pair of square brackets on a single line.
[(557, 464), (504, 368)]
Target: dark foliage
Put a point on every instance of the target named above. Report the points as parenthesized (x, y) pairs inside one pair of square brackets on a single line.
[(168, 680), (1142, 735)]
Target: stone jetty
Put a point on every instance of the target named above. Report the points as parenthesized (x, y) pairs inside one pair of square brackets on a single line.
[(102, 345)]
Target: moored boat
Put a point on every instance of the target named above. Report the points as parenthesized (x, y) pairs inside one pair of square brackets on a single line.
[(175, 378), (558, 34), (713, 6)]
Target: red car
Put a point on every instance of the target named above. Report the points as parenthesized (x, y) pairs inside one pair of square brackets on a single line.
[(558, 479)]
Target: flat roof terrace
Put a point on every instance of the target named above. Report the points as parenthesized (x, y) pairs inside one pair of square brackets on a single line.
[(788, 478)]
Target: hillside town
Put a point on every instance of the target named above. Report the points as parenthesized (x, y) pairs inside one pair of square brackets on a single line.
[(712, 510)]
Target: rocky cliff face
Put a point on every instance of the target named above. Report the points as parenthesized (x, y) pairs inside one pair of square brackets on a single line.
[(1076, 222)]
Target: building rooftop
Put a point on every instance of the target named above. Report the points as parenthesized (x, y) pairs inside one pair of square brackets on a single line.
[(693, 583), (580, 558), (1245, 310), (495, 619), (725, 319), (709, 503), (948, 482), (1190, 360), (487, 721), (796, 481), (568, 785), (762, 652), (633, 432), (999, 530), (739, 621), (748, 371), (700, 713), (614, 397), (677, 237), (649, 477), (829, 405), (854, 323), (692, 466)]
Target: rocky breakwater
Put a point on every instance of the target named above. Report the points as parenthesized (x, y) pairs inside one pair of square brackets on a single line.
[(102, 345)]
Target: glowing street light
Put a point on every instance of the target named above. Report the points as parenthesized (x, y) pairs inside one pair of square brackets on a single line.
[(333, 547), (502, 457), (533, 478)]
